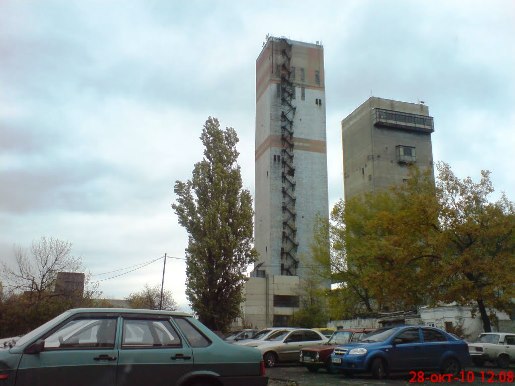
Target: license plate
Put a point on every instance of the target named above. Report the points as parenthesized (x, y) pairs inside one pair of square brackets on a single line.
[(309, 360), (336, 360)]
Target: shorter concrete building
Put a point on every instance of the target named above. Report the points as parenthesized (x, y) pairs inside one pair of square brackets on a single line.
[(461, 320), (70, 284), (380, 139), (271, 300)]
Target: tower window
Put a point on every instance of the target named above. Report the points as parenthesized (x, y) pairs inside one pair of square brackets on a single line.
[(286, 301), (302, 75), (292, 73), (317, 77), (406, 154), (303, 93)]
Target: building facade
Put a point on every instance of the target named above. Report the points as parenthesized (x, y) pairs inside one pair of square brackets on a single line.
[(381, 138), (291, 175)]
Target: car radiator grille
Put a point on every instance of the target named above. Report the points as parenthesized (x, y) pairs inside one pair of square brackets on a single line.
[(309, 354), (340, 351)]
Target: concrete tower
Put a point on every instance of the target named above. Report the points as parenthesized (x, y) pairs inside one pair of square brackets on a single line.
[(291, 173), (380, 139)]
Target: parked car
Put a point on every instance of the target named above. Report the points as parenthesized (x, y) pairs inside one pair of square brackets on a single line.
[(317, 357), (327, 332), (247, 333), (495, 347), (285, 345), (401, 349), (262, 335), (106, 347), (8, 342)]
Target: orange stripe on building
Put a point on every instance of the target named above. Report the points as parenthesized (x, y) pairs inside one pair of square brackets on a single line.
[(302, 144)]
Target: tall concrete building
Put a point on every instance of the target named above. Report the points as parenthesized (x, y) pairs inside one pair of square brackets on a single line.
[(291, 175), (380, 139)]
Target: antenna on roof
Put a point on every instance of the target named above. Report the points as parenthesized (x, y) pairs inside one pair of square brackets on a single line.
[(267, 37)]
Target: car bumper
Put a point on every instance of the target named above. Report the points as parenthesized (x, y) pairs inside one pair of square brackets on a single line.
[(349, 362), (308, 362), (478, 355)]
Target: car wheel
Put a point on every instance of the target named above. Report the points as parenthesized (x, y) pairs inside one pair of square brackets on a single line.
[(378, 369), (478, 361), (270, 359), (313, 369), (503, 361), (451, 366)]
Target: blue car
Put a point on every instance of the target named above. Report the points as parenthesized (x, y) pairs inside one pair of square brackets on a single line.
[(403, 349)]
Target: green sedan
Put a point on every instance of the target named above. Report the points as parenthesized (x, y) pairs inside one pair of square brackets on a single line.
[(109, 346)]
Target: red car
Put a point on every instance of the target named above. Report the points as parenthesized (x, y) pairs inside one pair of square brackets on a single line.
[(316, 357)]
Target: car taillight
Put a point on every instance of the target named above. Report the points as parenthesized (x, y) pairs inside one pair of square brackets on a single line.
[(262, 370), (3, 377)]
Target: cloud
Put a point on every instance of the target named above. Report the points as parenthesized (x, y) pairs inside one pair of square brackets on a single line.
[(102, 104)]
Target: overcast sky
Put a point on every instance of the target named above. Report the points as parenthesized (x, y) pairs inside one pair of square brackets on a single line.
[(102, 104)]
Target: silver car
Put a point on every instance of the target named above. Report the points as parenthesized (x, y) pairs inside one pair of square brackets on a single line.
[(262, 335), (284, 345)]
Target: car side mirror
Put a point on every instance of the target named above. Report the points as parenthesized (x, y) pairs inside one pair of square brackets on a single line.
[(36, 347)]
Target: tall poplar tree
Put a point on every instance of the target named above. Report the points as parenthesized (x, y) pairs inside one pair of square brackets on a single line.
[(217, 214)]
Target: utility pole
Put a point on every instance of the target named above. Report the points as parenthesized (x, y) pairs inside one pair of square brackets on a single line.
[(162, 284)]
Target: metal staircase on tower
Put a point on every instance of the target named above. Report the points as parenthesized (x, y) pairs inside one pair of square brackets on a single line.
[(289, 260)]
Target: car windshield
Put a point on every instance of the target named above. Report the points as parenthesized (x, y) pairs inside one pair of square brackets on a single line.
[(488, 338), (34, 333), (378, 336), (278, 335), (233, 334), (340, 337), (261, 334)]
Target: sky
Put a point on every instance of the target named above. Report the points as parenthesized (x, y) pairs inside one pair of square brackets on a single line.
[(102, 103)]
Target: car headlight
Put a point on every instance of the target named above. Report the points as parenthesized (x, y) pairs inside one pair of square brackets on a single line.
[(358, 351)]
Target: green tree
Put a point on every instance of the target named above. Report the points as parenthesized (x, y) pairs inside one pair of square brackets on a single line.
[(313, 305), (379, 244), (150, 298), (478, 260), (424, 244), (217, 214)]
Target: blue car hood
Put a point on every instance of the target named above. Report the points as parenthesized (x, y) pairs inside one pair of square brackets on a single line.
[(371, 345)]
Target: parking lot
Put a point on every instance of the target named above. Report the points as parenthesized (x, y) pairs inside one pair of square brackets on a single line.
[(295, 375)]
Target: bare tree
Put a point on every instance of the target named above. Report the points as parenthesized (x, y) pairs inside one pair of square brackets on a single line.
[(35, 270)]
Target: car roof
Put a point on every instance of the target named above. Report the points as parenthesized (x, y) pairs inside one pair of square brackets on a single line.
[(364, 329), (126, 311)]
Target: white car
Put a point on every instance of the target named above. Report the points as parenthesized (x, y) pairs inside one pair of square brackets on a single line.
[(495, 347)]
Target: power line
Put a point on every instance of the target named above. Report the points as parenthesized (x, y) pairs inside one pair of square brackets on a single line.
[(138, 266), (123, 269)]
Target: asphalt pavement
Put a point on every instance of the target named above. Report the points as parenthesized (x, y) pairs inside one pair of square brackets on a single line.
[(295, 375)]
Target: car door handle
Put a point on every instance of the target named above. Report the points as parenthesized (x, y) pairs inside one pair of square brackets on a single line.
[(180, 356), (104, 357)]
